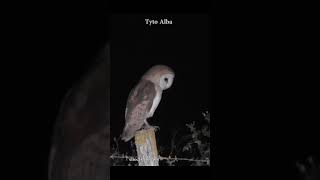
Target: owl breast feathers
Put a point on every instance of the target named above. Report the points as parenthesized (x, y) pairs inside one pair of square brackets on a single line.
[(144, 99)]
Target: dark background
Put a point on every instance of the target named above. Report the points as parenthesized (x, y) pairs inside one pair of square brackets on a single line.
[(265, 75), (267, 93), (183, 46), (52, 51)]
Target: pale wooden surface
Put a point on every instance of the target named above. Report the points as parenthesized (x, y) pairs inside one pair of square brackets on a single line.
[(147, 147)]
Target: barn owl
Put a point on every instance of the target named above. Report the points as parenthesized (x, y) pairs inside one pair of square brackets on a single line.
[(144, 99)]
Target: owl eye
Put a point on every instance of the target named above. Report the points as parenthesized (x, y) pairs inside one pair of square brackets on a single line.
[(166, 80)]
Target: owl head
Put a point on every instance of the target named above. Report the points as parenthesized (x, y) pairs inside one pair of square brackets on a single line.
[(161, 75)]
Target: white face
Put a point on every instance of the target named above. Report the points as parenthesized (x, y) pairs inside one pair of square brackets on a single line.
[(166, 81)]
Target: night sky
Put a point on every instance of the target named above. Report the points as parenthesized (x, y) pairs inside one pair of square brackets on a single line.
[(183, 46)]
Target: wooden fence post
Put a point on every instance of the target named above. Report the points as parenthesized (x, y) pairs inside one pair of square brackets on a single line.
[(147, 147)]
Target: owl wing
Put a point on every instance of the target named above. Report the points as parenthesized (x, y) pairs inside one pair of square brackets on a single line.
[(138, 106)]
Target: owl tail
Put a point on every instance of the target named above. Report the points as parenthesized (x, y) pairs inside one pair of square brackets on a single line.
[(127, 134)]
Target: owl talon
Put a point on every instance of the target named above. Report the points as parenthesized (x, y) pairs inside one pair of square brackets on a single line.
[(148, 126), (156, 128)]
